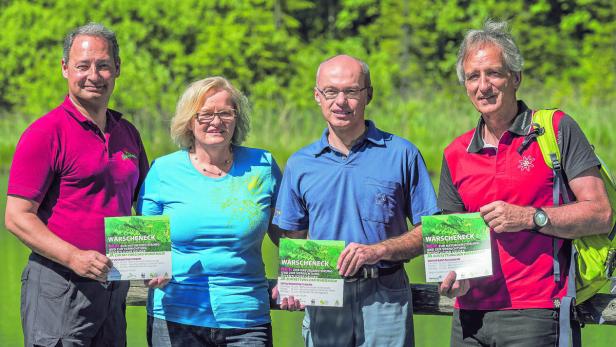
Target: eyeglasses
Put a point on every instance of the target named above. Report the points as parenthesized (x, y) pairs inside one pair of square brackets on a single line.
[(349, 93), (207, 117)]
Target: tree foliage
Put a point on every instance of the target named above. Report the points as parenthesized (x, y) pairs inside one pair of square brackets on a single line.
[(271, 48)]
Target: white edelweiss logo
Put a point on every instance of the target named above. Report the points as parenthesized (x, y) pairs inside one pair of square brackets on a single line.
[(526, 163)]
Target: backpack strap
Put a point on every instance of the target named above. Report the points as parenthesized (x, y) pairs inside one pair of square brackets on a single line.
[(551, 155), (542, 121), (547, 139)]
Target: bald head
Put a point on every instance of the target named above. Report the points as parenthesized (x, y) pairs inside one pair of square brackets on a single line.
[(346, 61)]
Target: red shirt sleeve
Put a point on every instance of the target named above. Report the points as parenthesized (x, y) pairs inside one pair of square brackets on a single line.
[(34, 163)]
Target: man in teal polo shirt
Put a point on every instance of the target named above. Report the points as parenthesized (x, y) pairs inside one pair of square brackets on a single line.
[(357, 184)]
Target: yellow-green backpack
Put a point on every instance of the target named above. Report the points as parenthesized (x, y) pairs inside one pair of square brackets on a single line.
[(592, 257)]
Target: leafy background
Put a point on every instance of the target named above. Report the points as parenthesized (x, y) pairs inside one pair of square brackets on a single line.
[(270, 49)]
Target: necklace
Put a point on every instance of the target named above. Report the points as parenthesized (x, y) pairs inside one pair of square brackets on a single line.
[(220, 169)]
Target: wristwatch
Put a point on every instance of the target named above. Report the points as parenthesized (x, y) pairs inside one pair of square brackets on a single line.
[(540, 219)]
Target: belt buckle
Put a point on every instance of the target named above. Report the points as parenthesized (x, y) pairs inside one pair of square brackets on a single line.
[(365, 272), (370, 272)]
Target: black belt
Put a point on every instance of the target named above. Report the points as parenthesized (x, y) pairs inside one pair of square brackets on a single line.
[(374, 272)]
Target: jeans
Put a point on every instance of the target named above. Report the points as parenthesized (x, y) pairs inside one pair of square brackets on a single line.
[(377, 312), (163, 333)]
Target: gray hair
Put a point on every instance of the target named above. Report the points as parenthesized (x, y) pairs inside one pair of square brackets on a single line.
[(495, 33), (192, 100), (92, 29), (365, 70)]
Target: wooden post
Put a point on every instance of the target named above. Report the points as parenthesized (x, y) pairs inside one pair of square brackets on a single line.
[(426, 300)]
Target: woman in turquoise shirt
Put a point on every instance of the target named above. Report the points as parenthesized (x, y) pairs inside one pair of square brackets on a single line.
[(219, 197)]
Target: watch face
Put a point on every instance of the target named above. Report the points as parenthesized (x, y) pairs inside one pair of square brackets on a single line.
[(540, 218)]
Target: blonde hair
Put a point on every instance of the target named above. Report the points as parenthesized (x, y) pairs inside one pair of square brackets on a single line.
[(192, 100)]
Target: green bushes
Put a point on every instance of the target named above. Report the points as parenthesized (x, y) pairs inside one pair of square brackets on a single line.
[(271, 48)]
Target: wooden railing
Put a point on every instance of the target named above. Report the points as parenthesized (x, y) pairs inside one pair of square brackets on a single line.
[(426, 300)]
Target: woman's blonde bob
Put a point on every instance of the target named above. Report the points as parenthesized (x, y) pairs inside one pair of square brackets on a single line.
[(192, 100)]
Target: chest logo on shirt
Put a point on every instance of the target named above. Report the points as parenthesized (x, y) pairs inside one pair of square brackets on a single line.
[(245, 202), (128, 155), (526, 163)]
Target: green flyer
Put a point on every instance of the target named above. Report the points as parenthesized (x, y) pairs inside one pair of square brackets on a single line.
[(308, 271), (138, 246), (456, 242)]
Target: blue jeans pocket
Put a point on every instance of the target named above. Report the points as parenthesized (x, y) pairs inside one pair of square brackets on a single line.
[(395, 282)]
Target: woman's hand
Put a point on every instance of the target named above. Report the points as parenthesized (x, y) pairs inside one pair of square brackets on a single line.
[(289, 304), (156, 282)]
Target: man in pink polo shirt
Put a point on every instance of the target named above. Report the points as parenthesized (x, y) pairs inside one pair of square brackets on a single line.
[(497, 169), (74, 166)]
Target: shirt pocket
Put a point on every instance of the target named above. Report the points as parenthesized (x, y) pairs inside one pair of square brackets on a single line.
[(379, 200)]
